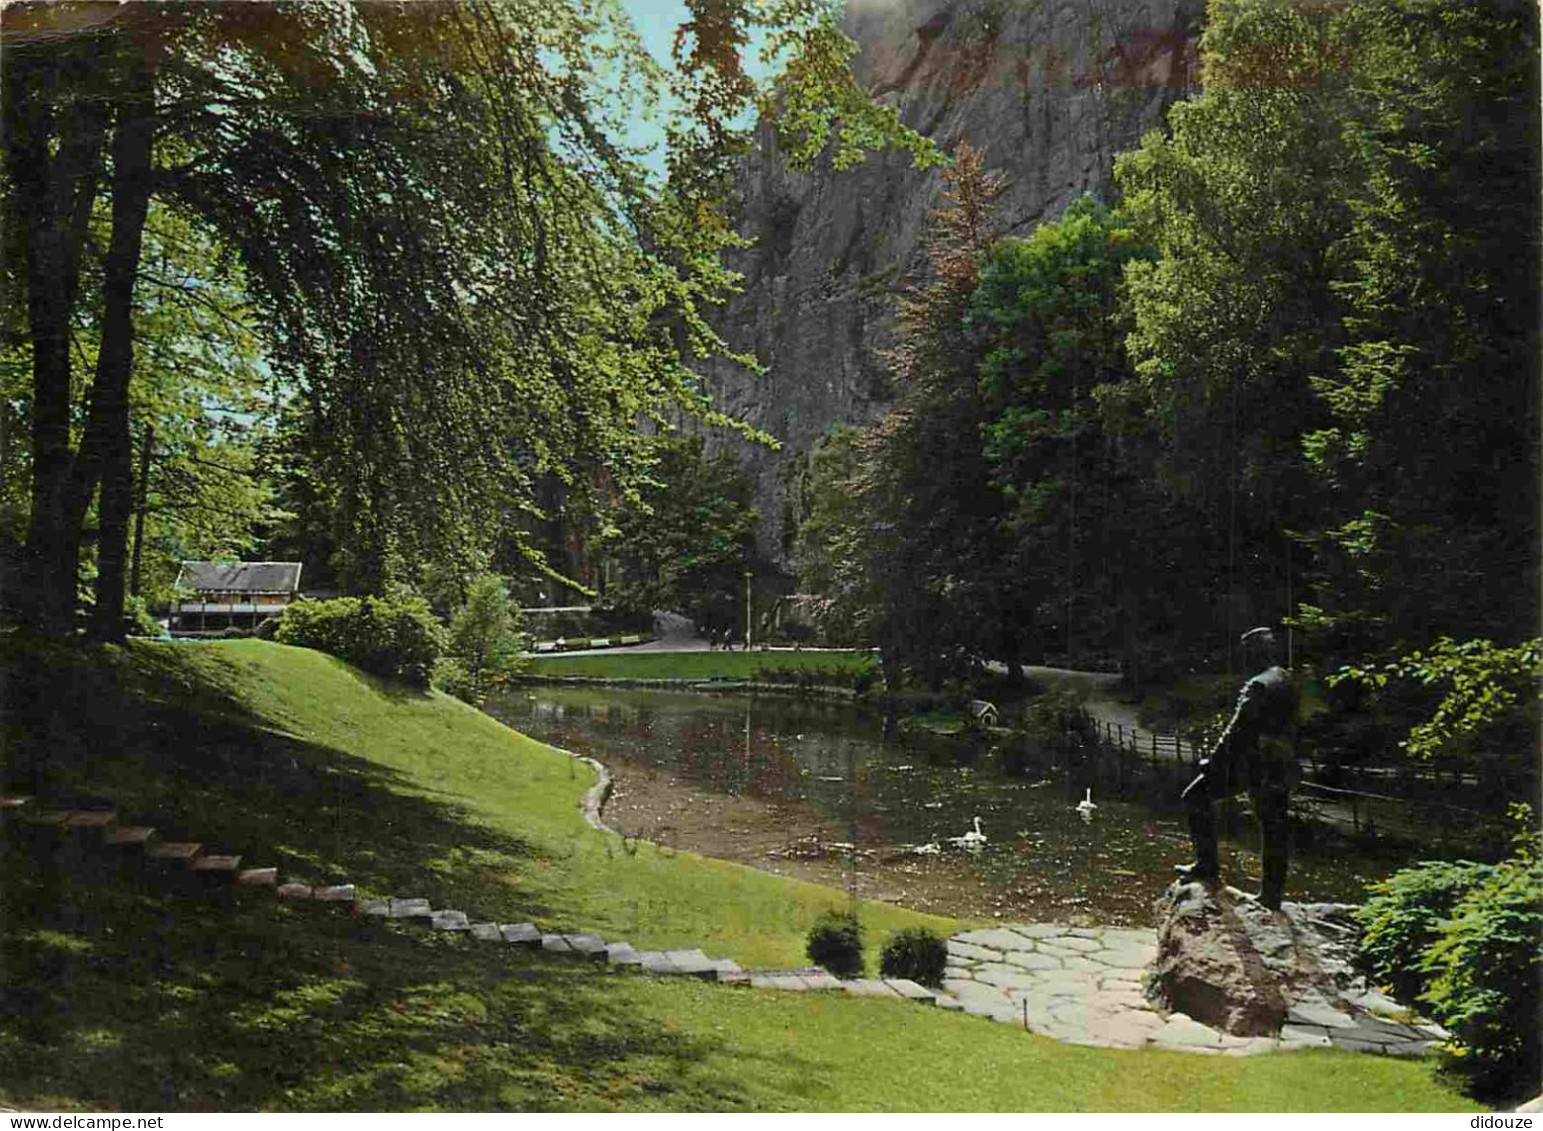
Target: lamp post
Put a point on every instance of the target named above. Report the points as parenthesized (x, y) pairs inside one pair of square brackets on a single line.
[(747, 610)]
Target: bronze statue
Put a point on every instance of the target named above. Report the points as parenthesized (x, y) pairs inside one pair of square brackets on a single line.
[(1255, 753)]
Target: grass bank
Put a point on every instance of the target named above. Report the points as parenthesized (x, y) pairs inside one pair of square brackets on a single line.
[(131, 996), (700, 665)]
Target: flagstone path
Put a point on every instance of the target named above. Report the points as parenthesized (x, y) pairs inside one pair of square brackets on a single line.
[(1084, 985)]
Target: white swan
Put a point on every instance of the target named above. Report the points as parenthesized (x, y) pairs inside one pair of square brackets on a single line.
[(1086, 806), (973, 841), (931, 848)]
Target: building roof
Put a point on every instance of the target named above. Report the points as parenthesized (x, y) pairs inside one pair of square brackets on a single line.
[(240, 577)]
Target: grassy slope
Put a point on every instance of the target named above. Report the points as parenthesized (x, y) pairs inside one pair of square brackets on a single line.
[(121, 997), (695, 665), (519, 791)]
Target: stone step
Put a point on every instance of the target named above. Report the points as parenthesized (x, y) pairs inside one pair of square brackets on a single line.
[(379, 908), (821, 980), (590, 945), (293, 891), (656, 962), (522, 934), (778, 982), (127, 836), (868, 987), (622, 954), (258, 877), (910, 990), (10, 802), (450, 921), (693, 962), (222, 867), (333, 893), (486, 932), (90, 819), (410, 909), (556, 944), (174, 852)]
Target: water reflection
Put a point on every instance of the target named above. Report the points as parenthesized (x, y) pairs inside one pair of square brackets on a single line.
[(831, 792)]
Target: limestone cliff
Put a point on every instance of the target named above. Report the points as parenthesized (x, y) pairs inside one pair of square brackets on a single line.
[(1052, 90)]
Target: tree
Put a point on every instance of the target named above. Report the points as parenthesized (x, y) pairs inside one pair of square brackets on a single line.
[(832, 552), (470, 283), (686, 542), (484, 634), (1243, 202), (938, 568), (1431, 446), (1047, 317)]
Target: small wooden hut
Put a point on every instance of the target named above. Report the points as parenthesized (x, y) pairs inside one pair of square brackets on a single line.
[(215, 596)]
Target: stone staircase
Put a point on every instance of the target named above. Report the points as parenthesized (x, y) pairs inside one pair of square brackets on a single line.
[(95, 833)]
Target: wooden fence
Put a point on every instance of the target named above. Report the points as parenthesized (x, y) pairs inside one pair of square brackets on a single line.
[(1351, 810), (1148, 745)]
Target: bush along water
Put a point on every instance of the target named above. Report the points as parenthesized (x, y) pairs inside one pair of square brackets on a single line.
[(1469, 938), (915, 953), (836, 943), (484, 642), (396, 637)]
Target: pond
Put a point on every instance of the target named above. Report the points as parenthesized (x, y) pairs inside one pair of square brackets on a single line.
[(830, 792)]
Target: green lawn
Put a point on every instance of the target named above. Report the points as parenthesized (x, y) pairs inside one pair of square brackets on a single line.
[(697, 665), (124, 996)]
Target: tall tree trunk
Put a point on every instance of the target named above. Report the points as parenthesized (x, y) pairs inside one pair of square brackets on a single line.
[(50, 210), (108, 442)]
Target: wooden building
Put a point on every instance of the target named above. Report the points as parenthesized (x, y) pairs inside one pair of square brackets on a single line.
[(214, 596)]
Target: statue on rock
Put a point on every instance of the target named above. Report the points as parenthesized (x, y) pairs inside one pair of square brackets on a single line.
[(1255, 753)]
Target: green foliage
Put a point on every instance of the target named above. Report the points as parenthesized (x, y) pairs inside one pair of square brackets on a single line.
[(485, 632), (1053, 715), (1485, 972), (396, 637), (836, 943), (449, 675), (831, 541), (1466, 940), (1482, 685), (1402, 918), (1431, 439), (859, 678), (685, 542), (915, 953), (456, 164)]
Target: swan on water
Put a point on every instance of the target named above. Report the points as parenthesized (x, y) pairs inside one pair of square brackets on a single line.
[(971, 840), (1086, 806)]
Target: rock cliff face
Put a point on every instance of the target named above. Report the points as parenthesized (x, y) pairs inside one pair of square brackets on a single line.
[(1052, 90)]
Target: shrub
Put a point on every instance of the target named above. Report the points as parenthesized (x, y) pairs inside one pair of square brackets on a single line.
[(451, 677), (915, 953), (836, 943), (396, 637), (138, 619), (485, 632), (1484, 970), (1402, 918)]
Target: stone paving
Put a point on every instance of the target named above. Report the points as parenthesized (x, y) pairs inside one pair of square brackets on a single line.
[(1084, 985)]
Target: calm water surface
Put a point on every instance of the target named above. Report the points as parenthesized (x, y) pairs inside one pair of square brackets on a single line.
[(831, 792)]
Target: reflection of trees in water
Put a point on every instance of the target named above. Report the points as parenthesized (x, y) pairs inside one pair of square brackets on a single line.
[(888, 792)]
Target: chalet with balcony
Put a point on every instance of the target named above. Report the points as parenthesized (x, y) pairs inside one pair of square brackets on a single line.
[(215, 596)]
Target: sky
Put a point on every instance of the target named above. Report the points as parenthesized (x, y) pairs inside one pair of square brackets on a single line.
[(656, 21)]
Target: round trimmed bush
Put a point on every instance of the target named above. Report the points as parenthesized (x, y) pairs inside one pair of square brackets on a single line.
[(915, 953), (836, 943)]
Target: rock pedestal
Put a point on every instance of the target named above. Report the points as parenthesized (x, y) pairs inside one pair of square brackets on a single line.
[(1228, 961)]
